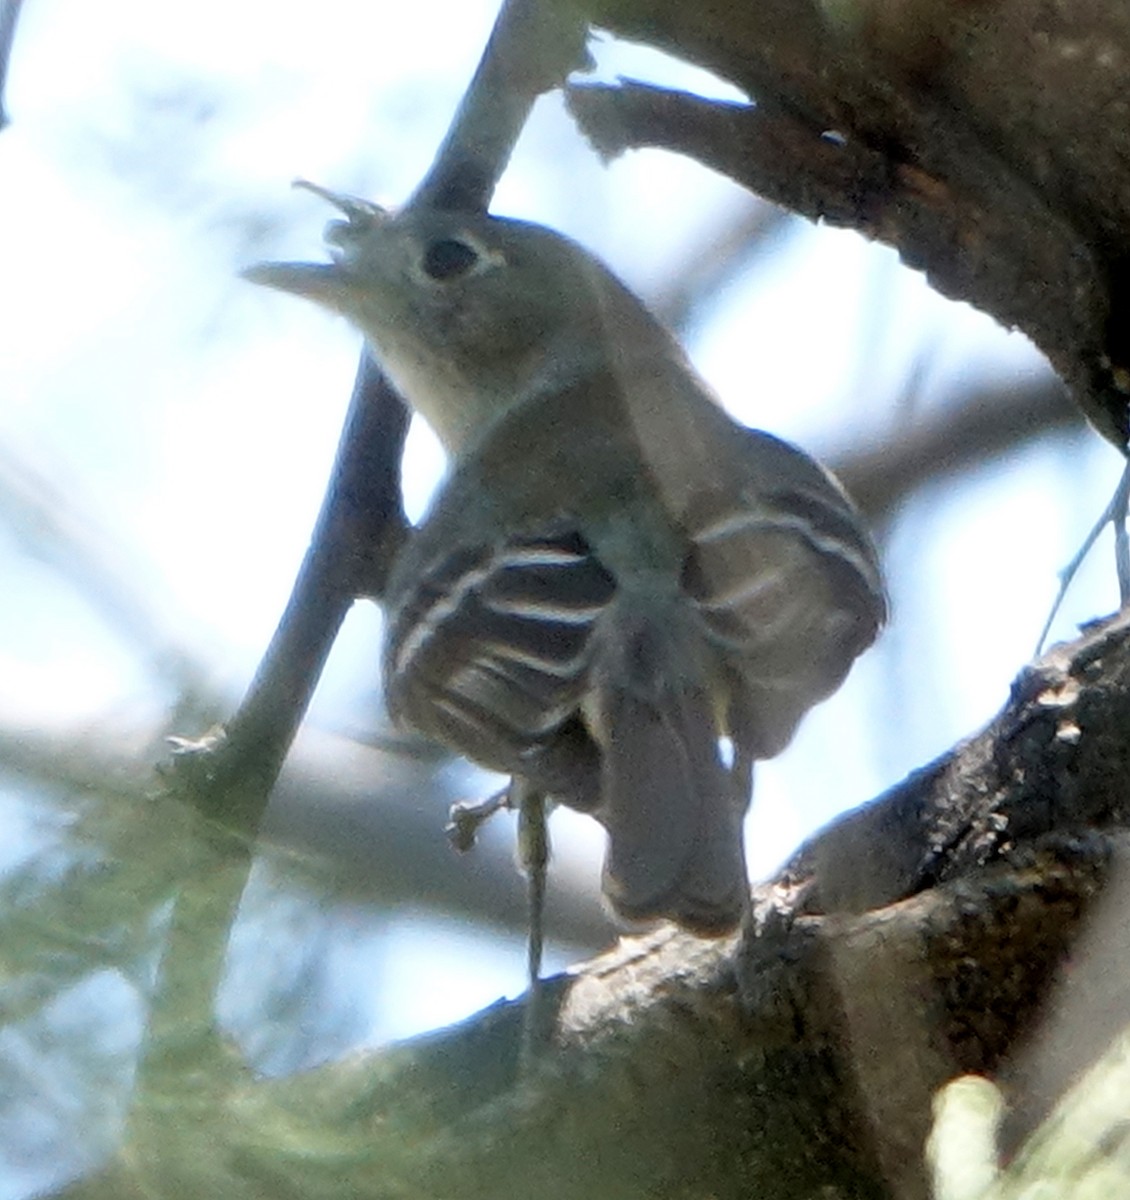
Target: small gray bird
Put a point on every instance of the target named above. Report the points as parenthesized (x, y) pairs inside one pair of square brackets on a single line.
[(620, 597)]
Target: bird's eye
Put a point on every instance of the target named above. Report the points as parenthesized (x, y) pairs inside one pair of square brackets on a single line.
[(449, 258)]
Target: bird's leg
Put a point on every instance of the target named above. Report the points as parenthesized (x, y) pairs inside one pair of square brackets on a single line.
[(1115, 515), (466, 818), (464, 822), (1121, 538), (533, 858), (741, 776)]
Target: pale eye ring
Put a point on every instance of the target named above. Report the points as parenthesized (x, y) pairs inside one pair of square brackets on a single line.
[(448, 258)]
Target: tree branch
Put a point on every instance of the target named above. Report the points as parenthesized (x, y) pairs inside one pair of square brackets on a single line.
[(985, 150), (915, 939), (361, 523), (531, 50), (970, 430), (9, 16), (359, 528)]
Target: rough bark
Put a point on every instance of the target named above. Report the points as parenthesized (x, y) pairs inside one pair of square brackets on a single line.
[(987, 140), (918, 938)]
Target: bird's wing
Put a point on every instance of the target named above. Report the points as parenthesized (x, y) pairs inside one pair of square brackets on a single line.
[(786, 580), (488, 652)]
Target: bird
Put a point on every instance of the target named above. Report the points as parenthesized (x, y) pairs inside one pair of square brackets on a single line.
[(620, 597)]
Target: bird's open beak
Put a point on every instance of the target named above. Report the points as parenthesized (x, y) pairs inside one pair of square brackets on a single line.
[(326, 283)]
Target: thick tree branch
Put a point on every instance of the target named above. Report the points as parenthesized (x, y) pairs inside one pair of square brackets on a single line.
[(987, 145), (913, 940)]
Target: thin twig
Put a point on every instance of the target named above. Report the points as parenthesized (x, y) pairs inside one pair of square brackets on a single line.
[(727, 251), (9, 15), (60, 527), (1114, 515)]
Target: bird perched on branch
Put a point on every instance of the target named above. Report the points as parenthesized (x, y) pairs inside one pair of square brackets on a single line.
[(620, 597)]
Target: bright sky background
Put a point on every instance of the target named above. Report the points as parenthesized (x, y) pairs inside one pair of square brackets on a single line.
[(193, 417)]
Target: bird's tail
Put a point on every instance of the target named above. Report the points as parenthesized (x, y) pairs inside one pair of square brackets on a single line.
[(671, 806)]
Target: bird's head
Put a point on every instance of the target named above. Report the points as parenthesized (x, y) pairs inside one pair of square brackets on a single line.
[(467, 312)]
